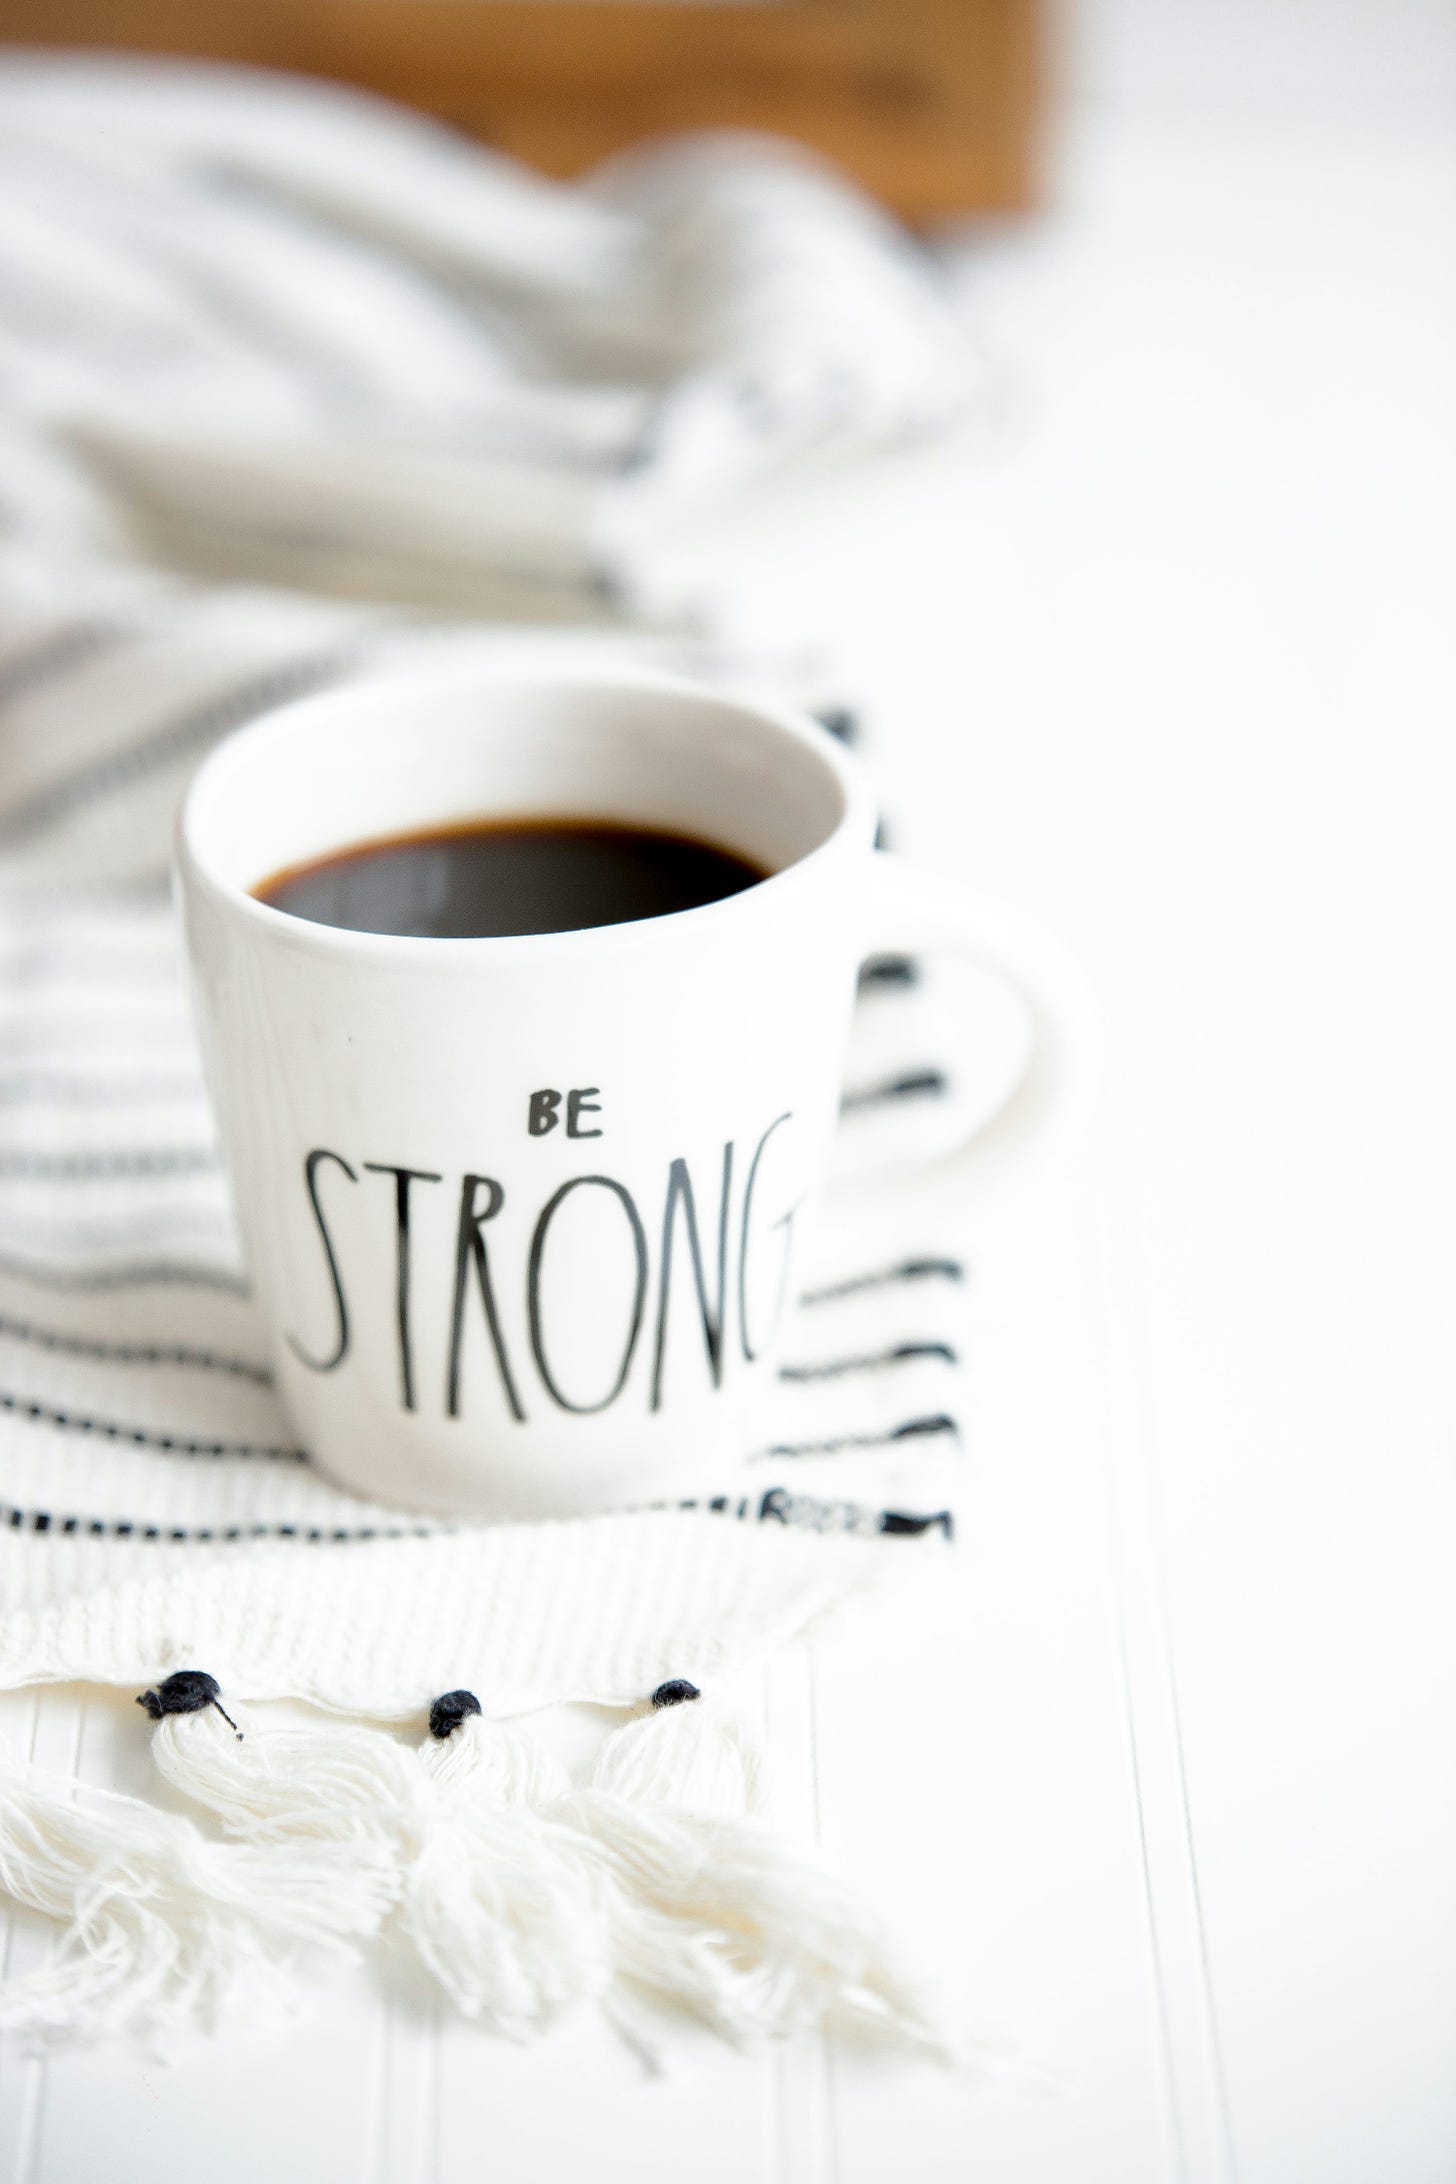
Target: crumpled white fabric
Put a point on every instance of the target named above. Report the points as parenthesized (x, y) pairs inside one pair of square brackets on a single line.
[(257, 327)]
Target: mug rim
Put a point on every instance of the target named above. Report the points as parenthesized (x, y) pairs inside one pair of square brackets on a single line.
[(191, 861), (856, 816)]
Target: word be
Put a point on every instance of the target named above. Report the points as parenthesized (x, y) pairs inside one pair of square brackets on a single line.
[(542, 1115)]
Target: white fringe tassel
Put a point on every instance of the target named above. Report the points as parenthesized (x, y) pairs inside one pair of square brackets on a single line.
[(715, 1915), (652, 1886), (498, 1903), (332, 1784), (164, 1931)]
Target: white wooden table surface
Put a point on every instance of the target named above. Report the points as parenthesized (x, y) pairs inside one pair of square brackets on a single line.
[(1170, 661)]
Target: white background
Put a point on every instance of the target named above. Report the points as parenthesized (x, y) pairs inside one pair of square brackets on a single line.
[(1166, 656)]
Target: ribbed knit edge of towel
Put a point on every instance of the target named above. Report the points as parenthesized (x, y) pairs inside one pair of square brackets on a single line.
[(601, 1609)]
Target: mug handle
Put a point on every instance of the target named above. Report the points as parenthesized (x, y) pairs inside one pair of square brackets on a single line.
[(911, 910)]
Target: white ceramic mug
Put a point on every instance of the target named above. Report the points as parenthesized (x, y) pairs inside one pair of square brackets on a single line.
[(520, 1211)]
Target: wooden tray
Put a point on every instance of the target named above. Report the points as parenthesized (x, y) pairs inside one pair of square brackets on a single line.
[(931, 103)]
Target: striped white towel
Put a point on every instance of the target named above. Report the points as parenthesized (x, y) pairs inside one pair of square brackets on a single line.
[(143, 1444), (252, 327), (262, 342), (286, 379)]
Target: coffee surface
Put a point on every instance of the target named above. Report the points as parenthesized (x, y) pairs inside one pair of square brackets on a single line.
[(509, 877)]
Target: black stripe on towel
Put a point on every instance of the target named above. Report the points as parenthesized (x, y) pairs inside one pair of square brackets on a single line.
[(142, 1032), (909, 1270), (813, 1513), (900, 1522), (45, 1088), (43, 963), (71, 1527), (113, 1429), (61, 1339), (157, 747), (913, 1429), (109, 1164), (778, 1505), (159, 1228), (135, 1274), (147, 890), (888, 970), (917, 1084), (810, 1513), (57, 654), (902, 1354)]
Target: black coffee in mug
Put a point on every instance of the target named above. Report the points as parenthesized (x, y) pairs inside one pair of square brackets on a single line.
[(509, 876)]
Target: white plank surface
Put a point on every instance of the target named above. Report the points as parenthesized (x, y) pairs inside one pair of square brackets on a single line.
[(1170, 1790)]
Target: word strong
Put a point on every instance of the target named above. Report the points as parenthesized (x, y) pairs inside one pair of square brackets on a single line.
[(701, 1267)]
